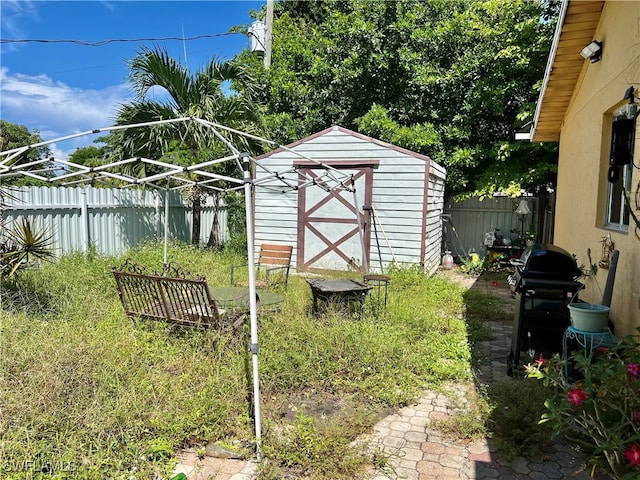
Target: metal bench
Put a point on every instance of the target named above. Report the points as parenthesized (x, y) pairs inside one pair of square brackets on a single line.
[(174, 295)]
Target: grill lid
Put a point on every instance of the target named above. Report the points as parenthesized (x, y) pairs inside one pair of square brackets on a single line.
[(548, 261)]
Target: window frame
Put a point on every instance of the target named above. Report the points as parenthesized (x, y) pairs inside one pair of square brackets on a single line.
[(617, 206), (615, 202)]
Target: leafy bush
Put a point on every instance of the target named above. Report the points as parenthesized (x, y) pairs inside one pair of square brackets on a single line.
[(473, 265), (600, 410)]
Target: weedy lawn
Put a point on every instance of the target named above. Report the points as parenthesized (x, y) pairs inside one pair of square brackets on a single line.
[(85, 394)]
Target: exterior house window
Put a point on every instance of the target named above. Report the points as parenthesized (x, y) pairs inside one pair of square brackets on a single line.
[(621, 162), (617, 211)]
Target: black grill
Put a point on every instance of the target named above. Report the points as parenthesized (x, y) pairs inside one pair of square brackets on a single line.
[(544, 282), (546, 262)]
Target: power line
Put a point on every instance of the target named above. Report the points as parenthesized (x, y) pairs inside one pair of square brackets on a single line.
[(120, 40)]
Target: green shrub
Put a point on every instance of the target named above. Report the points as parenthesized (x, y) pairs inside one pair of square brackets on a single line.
[(23, 245), (599, 406)]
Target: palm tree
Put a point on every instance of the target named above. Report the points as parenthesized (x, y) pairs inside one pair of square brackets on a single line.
[(199, 95)]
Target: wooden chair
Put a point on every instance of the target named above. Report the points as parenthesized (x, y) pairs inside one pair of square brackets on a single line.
[(272, 266)]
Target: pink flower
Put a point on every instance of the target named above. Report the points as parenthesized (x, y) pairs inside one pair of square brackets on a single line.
[(633, 369), (633, 455), (540, 361), (577, 396)]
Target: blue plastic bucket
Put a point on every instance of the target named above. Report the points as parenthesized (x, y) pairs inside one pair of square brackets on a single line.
[(589, 317)]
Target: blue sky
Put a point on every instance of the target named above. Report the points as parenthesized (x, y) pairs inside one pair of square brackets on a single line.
[(65, 88)]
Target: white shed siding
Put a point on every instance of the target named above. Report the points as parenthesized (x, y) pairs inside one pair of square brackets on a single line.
[(435, 207), (276, 207), (398, 197), (399, 182)]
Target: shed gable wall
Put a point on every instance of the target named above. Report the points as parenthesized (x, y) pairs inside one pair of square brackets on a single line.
[(404, 215)]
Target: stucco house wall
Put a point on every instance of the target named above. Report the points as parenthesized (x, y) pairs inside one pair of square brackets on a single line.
[(585, 139)]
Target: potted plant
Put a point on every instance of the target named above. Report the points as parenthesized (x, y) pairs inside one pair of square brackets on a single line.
[(530, 237)]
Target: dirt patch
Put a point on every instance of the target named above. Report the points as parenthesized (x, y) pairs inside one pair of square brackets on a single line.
[(455, 275), (324, 406)]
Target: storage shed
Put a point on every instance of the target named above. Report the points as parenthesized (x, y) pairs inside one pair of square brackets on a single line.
[(399, 196)]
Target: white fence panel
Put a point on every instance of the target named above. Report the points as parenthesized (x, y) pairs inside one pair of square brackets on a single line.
[(110, 220), (470, 219)]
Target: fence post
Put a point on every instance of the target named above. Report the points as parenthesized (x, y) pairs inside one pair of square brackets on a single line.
[(84, 221), (158, 218), (166, 224)]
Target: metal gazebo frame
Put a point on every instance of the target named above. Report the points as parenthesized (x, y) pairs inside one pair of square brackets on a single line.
[(65, 173)]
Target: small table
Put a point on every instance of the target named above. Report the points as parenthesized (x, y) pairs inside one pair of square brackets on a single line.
[(341, 292), (589, 340), (381, 283), (236, 299)]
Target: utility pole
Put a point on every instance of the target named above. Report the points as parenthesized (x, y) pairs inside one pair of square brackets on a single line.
[(268, 35)]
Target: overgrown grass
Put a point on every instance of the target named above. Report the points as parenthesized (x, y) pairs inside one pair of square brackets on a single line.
[(515, 415), (509, 411), (87, 395)]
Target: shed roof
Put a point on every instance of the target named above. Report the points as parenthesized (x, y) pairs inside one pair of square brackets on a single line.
[(337, 128), (576, 26)]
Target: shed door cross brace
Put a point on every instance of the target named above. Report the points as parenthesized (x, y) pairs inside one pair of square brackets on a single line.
[(332, 194), (330, 245)]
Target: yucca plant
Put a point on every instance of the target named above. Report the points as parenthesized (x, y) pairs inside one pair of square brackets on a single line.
[(23, 243)]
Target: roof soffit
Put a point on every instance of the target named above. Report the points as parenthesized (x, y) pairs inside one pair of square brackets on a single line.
[(564, 67)]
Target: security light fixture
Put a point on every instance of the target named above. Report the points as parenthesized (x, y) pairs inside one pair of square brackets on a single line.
[(628, 94), (593, 51), (631, 108)]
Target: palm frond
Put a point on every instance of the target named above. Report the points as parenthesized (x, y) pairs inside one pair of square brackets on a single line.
[(6, 195), (155, 68), (146, 141)]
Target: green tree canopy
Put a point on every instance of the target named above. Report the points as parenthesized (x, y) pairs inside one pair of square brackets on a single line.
[(452, 79), (92, 155), (16, 136)]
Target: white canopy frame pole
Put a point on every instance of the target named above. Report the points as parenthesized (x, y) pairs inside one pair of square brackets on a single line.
[(365, 262), (253, 307), (166, 224)]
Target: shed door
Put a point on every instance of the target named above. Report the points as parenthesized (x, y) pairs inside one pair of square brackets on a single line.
[(328, 237)]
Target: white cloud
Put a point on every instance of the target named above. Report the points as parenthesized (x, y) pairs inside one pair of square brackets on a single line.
[(56, 109), (57, 153)]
